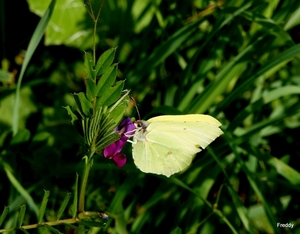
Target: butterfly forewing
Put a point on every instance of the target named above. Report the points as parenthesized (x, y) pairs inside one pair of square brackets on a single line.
[(170, 142)]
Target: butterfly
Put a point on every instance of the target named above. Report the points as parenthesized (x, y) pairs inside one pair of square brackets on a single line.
[(167, 144)]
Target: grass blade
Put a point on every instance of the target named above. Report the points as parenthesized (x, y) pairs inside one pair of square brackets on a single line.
[(4, 214), (20, 189), (35, 40), (63, 205), (21, 215), (75, 201), (43, 206)]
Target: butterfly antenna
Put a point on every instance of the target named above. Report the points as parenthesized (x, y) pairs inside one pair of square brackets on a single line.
[(137, 110)]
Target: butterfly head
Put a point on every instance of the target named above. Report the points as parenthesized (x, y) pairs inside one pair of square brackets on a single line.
[(141, 128)]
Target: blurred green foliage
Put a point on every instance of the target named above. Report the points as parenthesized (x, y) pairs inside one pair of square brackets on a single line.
[(235, 60)]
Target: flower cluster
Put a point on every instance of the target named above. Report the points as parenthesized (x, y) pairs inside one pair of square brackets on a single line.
[(126, 129)]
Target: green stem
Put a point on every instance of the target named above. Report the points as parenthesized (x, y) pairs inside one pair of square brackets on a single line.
[(85, 177), (32, 226)]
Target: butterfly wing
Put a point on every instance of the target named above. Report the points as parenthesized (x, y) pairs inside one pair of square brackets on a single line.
[(170, 142)]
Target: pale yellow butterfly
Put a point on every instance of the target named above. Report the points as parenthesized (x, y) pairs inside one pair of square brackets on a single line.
[(167, 144)]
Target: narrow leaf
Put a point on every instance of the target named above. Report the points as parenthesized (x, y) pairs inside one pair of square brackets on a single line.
[(286, 55), (23, 230), (20, 189), (83, 104), (34, 41), (21, 215), (106, 80), (89, 64), (63, 205), (110, 95), (285, 170), (4, 214), (241, 209), (43, 206), (52, 229), (105, 61), (92, 223), (177, 230), (75, 200), (91, 90), (118, 111)]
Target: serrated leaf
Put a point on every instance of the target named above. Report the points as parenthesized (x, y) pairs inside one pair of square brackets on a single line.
[(75, 200), (83, 104), (4, 214), (89, 66), (105, 60), (111, 95), (52, 229), (91, 89), (43, 206), (63, 205), (21, 215)]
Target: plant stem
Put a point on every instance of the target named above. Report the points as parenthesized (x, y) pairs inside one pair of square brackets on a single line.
[(95, 29), (85, 177), (32, 226)]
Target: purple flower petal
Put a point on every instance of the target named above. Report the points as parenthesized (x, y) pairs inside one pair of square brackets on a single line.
[(119, 159), (125, 129), (115, 147)]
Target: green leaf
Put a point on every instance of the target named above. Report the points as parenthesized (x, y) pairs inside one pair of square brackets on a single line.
[(91, 89), (164, 50), (176, 230), (105, 60), (22, 136), (4, 214), (63, 205), (84, 105), (241, 209), (67, 25), (43, 206), (111, 95), (20, 189), (52, 229), (72, 114), (75, 200), (89, 66), (285, 170), (92, 223), (34, 41), (23, 230), (5, 76), (284, 56), (106, 80), (108, 92), (117, 111), (21, 215)]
